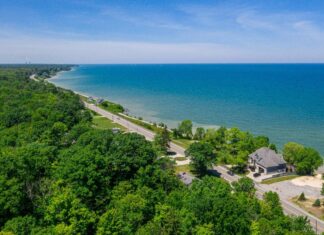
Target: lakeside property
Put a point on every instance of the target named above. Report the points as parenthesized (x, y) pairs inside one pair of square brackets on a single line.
[(184, 139), (279, 101), (185, 171), (291, 187), (162, 117)]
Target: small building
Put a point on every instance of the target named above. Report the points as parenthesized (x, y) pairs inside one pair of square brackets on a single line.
[(91, 99), (99, 100), (267, 161)]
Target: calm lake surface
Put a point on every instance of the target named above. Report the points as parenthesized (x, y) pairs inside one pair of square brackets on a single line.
[(282, 101)]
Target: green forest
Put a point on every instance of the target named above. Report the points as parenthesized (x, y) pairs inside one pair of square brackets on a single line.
[(60, 175)]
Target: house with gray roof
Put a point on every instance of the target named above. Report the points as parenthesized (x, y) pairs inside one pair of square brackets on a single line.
[(267, 161)]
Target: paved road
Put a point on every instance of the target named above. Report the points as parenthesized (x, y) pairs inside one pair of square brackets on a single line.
[(288, 207), (32, 77), (149, 135)]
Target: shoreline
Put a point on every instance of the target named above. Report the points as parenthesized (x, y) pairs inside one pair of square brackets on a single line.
[(56, 76), (132, 115), (174, 123)]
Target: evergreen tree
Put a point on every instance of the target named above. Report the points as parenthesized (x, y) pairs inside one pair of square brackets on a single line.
[(302, 197), (317, 203)]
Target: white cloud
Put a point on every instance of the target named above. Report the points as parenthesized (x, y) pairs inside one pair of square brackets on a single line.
[(250, 20), (153, 19), (309, 29), (233, 35), (80, 51), (69, 51)]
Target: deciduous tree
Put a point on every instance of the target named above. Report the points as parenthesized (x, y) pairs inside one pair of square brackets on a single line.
[(202, 156), (185, 129)]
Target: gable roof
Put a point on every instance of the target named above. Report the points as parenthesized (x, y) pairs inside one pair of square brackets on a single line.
[(267, 157)]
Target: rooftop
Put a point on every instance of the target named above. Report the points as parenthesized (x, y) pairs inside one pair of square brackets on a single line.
[(267, 157)]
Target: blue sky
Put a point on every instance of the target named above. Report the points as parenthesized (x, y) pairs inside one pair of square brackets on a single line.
[(174, 31)]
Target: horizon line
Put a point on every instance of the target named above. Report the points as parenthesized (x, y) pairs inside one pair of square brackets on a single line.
[(168, 63)]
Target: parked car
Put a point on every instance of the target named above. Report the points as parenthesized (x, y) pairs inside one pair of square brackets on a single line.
[(230, 173), (256, 174)]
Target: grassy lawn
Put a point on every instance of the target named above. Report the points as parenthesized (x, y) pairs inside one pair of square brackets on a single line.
[(279, 179), (185, 143), (183, 168), (112, 107), (83, 98), (307, 205), (104, 123), (180, 158), (243, 174), (142, 123)]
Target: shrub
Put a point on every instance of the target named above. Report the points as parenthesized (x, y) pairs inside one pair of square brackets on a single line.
[(317, 203), (302, 197)]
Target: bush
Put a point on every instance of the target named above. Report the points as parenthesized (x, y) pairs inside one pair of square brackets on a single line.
[(317, 203), (302, 197), (112, 107)]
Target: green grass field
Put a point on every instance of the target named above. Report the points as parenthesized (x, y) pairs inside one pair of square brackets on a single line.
[(185, 143), (279, 179), (104, 123), (183, 168), (141, 123), (180, 158)]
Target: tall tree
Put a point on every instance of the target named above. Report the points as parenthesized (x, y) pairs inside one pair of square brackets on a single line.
[(200, 133), (202, 156), (162, 140), (244, 185), (185, 129), (305, 159), (291, 150)]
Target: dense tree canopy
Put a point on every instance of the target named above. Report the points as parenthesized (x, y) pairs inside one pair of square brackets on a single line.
[(306, 160)]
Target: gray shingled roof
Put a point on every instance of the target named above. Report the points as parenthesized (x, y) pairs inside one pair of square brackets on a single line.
[(267, 157)]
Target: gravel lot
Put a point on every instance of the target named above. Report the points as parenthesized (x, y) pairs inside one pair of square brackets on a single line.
[(288, 190)]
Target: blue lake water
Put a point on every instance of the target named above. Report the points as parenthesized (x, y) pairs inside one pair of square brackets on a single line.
[(282, 101)]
